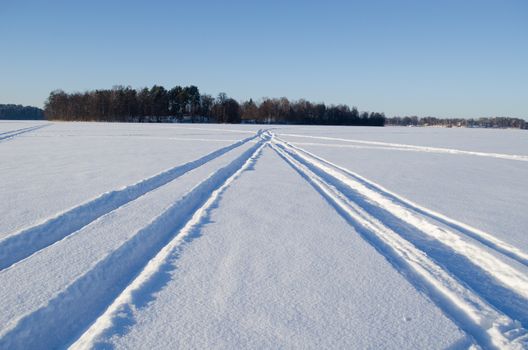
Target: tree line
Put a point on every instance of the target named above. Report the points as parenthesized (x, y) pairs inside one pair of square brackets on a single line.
[(493, 122), (157, 104), (19, 112)]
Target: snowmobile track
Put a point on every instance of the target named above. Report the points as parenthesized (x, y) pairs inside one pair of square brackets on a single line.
[(477, 280), (413, 148), (124, 270), (485, 238), (21, 244), (493, 316), (11, 134)]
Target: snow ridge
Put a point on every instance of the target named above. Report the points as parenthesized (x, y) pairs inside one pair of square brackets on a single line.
[(480, 315), (86, 298), (21, 244)]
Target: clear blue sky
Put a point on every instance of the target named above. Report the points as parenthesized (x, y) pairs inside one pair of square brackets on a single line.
[(449, 58)]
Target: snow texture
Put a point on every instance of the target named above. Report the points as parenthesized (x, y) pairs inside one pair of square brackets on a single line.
[(247, 236)]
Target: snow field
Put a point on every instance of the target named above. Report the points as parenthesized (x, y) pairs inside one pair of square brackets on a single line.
[(473, 314), (252, 281), (98, 262), (95, 264)]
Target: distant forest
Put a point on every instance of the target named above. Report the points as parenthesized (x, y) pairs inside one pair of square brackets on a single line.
[(495, 122), (186, 104), (19, 112)]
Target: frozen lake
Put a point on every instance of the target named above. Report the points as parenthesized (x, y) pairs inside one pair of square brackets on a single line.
[(245, 236)]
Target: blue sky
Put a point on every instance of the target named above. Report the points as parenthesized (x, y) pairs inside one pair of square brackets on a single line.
[(463, 58)]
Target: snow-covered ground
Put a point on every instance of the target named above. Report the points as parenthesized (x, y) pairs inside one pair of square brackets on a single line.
[(247, 236)]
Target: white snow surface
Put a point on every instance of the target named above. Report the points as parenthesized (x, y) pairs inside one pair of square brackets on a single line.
[(262, 236)]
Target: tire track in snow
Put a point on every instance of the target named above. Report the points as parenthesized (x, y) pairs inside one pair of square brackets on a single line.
[(456, 250), (489, 325), (4, 133), (483, 237), (453, 240), (502, 285), (113, 278), (10, 134), (125, 305), (22, 244), (427, 149)]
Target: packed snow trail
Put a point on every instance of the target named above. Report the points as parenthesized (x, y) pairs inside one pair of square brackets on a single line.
[(51, 270), (23, 243), (502, 285), (119, 268), (405, 147), (483, 237), (124, 303), (6, 133), (401, 216), (10, 134), (66, 315), (490, 327), (244, 280)]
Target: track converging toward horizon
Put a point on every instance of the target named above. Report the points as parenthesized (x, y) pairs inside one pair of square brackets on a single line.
[(94, 263)]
